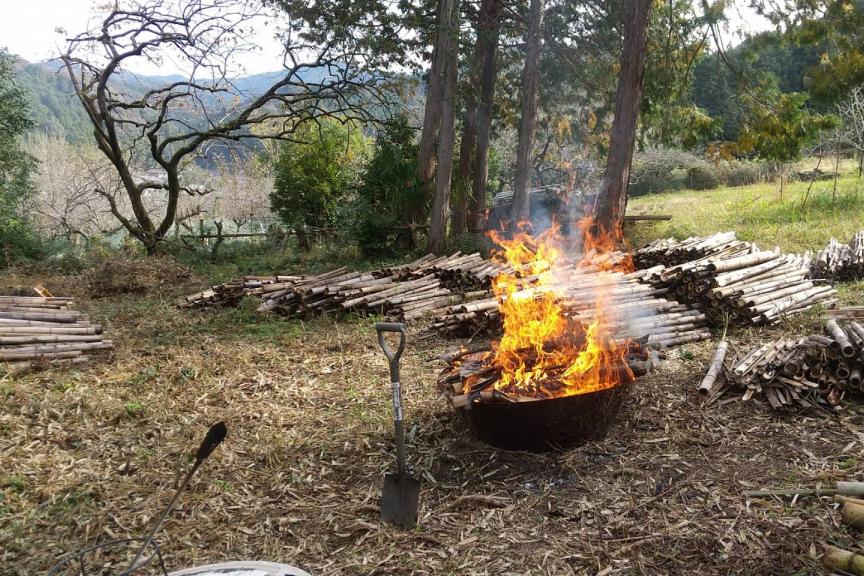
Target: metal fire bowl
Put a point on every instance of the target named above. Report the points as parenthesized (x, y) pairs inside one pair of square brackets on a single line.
[(547, 425)]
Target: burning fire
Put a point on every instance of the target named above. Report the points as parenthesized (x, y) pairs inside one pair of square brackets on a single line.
[(544, 353)]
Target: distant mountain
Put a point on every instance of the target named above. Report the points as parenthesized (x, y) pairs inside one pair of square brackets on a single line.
[(56, 109)]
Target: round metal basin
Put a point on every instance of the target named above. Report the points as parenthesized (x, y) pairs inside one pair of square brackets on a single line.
[(547, 425)]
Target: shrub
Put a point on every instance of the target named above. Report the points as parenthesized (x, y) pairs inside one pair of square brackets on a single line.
[(661, 170), (390, 194), (666, 170), (703, 177), (739, 173), (117, 274), (314, 176)]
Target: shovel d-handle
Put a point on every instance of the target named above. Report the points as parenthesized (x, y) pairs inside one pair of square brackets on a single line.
[(393, 357)]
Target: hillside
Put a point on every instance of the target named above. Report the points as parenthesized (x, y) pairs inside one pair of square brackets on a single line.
[(57, 111)]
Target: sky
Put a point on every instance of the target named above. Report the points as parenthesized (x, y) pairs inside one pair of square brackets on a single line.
[(29, 29)]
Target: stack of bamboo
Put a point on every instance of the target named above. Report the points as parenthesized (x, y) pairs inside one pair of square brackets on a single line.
[(672, 252), (735, 280), (841, 261), (458, 272), (340, 290), (45, 330), (800, 372), (406, 292), (630, 309), (230, 293)]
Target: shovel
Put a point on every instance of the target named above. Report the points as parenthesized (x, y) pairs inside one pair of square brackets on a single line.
[(401, 492)]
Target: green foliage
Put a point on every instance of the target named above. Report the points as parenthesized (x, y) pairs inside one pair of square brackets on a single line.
[(833, 27), (757, 213), (778, 130), (767, 58), (315, 174), (702, 177), (389, 190), (676, 40), (17, 240), (663, 170), (54, 109)]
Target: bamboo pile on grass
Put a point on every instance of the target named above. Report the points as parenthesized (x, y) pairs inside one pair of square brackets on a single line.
[(343, 291), (399, 293), (46, 330), (230, 293), (457, 272), (841, 261), (630, 308), (746, 285), (794, 373), (671, 252)]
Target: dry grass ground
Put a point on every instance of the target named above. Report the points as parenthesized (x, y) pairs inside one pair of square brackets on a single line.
[(92, 454)]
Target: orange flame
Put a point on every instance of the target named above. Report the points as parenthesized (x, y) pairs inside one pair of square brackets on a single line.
[(543, 353)]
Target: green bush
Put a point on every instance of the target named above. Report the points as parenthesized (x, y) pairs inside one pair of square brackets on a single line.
[(18, 242), (667, 170), (389, 196), (314, 176), (703, 177)]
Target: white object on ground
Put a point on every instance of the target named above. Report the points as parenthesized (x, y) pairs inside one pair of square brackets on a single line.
[(242, 568)]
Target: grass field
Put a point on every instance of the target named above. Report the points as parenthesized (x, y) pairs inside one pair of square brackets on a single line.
[(757, 213), (92, 454)]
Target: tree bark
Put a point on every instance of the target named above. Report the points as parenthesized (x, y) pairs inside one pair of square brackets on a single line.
[(612, 201), (528, 124), (459, 214), (446, 137), (434, 88), (487, 37)]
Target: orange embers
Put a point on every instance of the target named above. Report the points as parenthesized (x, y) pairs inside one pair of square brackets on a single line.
[(543, 353)]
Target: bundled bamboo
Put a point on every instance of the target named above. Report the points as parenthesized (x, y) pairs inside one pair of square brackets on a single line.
[(841, 261), (404, 293), (41, 330), (628, 307), (735, 280), (796, 373)]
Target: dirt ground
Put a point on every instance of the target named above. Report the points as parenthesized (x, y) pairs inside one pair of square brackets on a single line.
[(92, 455)]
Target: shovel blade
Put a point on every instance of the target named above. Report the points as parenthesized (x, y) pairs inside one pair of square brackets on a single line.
[(399, 500)]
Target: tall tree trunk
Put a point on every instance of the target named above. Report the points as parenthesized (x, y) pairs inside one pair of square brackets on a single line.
[(487, 34), (612, 201), (434, 88), (462, 199), (528, 124), (446, 137)]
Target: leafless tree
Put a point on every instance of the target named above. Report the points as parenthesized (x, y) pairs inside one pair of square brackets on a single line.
[(167, 126), (66, 203), (851, 131), (244, 188)]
